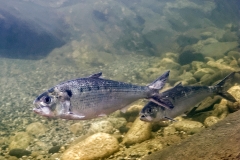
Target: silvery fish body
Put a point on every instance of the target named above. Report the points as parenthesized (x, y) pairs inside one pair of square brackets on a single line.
[(91, 97), (180, 99)]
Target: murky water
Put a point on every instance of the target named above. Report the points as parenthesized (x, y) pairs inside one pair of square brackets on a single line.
[(43, 43)]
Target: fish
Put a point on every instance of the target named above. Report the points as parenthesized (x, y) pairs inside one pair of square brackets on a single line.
[(180, 99), (92, 97)]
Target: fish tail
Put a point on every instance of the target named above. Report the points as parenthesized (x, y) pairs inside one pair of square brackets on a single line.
[(159, 82), (223, 86)]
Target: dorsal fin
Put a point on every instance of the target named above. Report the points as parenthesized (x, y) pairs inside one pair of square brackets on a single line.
[(96, 75), (160, 82)]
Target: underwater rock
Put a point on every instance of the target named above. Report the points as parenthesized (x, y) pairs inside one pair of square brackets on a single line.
[(201, 72), (21, 140), (211, 120), (187, 78), (220, 66), (219, 141), (101, 126), (220, 110), (132, 112), (197, 65), (234, 54), (139, 150), (229, 37), (117, 122), (139, 132), (170, 130), (41, 146), (189, 55), (54, 149), (19, 152), (173, 56), (205, 35), (36, 129), (76, 128), (235, 92), (217, 50), (187, 126), (169, 64), (97, 146)]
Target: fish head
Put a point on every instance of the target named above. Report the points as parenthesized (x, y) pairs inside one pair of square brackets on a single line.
[(152, 112), (45, 104)]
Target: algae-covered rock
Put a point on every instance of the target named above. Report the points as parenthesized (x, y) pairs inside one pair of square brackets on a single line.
[(19, 152), (201, 72), (169, 63), (21, 140), (234, 54), (188, 78), (190, 127), (219, 141), (76, 128), (169, 130), (218, 49), (139, 132), (97, 146), (220, 66), (211, 120), (101, 126), (220, 110), (36, 129), (117, 122), (235, 92)]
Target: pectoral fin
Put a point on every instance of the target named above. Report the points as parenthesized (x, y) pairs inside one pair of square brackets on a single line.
[(170, 119)]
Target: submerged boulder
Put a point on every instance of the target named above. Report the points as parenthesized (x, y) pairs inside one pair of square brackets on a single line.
[(219, 141), (21, 140), (190, 127), (97, 146), (139, 132)]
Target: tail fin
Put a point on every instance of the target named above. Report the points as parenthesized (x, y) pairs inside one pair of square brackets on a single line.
[(223, 86), (160, 82)]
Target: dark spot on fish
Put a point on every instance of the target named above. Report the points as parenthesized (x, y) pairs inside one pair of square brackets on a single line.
[(98, 87), (44, 94), (51, 90), (89, 88), (81, 90), (69, 92)]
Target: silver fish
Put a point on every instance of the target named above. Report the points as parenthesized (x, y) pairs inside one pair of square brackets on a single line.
[(180, 99), (91, 97)]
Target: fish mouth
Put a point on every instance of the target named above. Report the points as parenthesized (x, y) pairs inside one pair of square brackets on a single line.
[(145, 118), (42, 110)]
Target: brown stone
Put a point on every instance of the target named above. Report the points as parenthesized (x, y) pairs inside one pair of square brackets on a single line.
[(220, 141)]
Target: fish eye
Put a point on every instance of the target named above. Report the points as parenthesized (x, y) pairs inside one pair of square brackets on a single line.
[(149, 110), (47, 100)]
